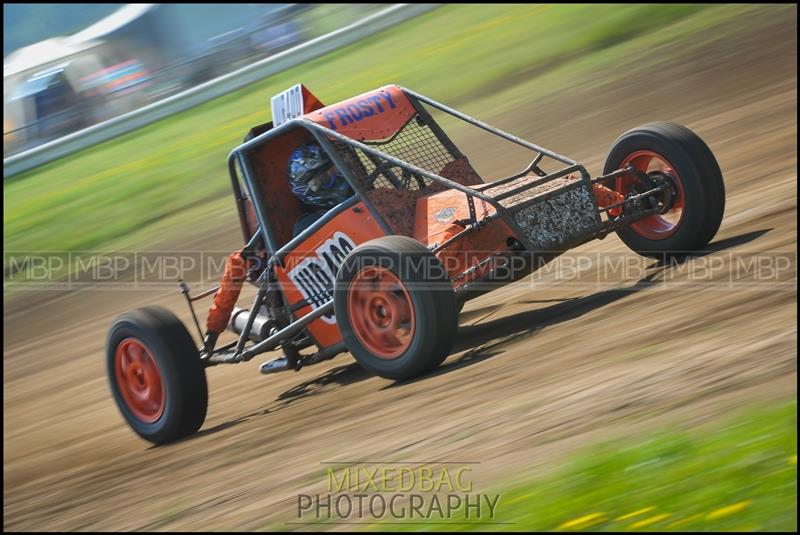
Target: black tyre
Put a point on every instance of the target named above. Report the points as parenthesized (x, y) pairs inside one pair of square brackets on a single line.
[(700, 192), (155, 374), (395, 307)]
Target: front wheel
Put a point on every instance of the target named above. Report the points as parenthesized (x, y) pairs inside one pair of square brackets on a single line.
[(699, 192), (395, 307), (155, 374)]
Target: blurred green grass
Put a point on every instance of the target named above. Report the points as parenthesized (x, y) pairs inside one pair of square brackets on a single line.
[(740, 477), (170, 178)]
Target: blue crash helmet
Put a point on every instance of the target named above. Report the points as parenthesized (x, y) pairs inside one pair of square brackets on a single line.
[(314, 178)]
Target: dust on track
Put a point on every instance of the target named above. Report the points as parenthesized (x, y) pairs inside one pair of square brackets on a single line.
[(538, 370)]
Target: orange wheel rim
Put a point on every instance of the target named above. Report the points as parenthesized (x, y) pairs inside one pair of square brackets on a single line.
[(656, 226), (139, 380), (381, 312)]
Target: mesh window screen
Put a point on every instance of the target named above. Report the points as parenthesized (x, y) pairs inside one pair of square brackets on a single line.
[(415, 143)]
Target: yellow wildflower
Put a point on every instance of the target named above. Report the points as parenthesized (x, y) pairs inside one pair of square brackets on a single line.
[(583, 521), (635, 513), (651, 520), (728, 510), (686, 520)]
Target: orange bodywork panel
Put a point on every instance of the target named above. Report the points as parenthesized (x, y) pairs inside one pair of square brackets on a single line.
[(308, 272), (436, 213), (434, 223), (372, 116), (310, 100), (230, 286), (270, 163)]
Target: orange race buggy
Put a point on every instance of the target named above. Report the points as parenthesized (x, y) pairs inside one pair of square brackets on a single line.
[(384, 274)]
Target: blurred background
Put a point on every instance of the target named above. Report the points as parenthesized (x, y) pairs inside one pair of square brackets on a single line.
[(656, 401), (69, 66)]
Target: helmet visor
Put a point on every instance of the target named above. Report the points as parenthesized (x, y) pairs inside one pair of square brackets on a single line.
[(323, 178)]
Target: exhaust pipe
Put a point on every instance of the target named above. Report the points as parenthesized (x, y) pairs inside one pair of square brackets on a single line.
[(261, 324)]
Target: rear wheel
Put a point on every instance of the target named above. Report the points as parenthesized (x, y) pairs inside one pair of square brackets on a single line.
[(395, 307), (699, 192), (155, 374)]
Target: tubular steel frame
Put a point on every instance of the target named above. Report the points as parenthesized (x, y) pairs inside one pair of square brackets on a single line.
[(324, 137)]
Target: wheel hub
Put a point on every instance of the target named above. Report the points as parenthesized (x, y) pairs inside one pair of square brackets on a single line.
[(652, 170), (381, 312), (665, 199), (139, 380)]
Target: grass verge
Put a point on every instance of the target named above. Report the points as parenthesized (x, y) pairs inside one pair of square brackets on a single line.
[(739, 477)]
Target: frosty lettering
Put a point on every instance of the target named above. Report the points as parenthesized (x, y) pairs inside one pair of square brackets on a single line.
[(366, 109), (351, 113), (355, 112)]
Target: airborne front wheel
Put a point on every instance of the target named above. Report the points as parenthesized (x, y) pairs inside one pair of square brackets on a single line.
[(155, 375)]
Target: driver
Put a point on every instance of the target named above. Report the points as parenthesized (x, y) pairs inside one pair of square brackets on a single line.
[(317, 183)]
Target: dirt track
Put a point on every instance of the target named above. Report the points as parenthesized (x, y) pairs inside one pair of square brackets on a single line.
[(537, 371)]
